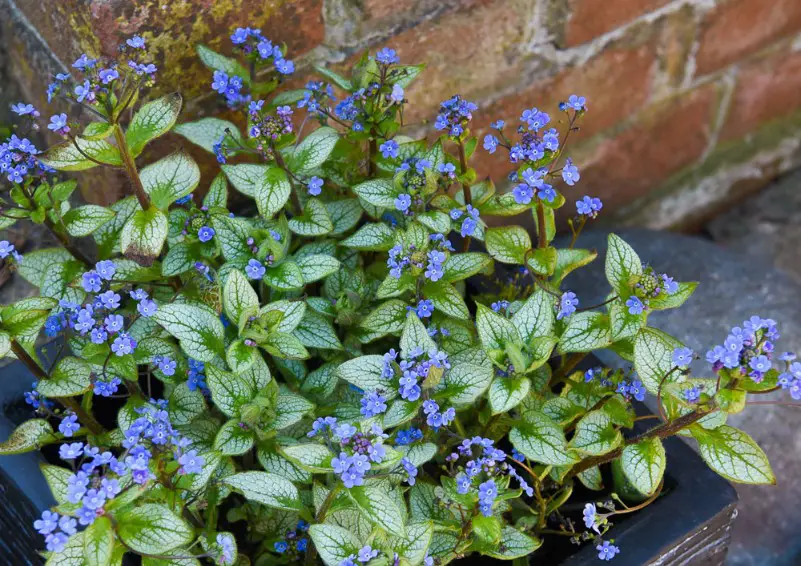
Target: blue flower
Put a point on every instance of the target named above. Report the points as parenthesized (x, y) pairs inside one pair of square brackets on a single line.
[(109, 300), (607, 551), (591, 516), (534, 119), (447, 169), (389, 149), (589, 206), (315, 186), (219, 82), (191, 463), (567, 304), (136, 42), (635, 305), (408, 436), (70, 451), (280, 547), (285, 66), (397, 94), (669, 284), (411, 471), (22, 109), (84, 62), (69, 425), (205, 234), (490, 143), (547, 193), (637, 390), (147, 307), (577, 103), (570, 173), (403, 202), (84, 91), (255, 269), (523, 193), (367, 553), (47, 524), (91, 282), (760, 363), (108, 75), (373, 404), (425, 308), (691, 394), (387, 56), (487, 492), (123, 344), (682, 357), (106, 269)]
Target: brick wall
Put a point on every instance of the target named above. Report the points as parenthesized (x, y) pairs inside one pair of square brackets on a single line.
[(693, 103)]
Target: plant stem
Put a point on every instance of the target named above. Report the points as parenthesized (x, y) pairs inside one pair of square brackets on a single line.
[(662, 431), (279, 160), (67, 243), (130, 168), (542, 241), (371, 155), (561, 374), (468, 196), (85, 418)]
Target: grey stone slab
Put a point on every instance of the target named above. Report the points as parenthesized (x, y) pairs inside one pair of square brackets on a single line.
[(733, 288)]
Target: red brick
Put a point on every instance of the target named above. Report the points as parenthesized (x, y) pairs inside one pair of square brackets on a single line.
[(736, 28), (379, 9), (173, 29), (666, 138), (473, 51), (590, 18), (767, 89)]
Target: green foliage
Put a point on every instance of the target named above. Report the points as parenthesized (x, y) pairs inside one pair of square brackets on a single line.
[(343, 344)]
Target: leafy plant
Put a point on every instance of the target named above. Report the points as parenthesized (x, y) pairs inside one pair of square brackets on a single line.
[(323, 378)]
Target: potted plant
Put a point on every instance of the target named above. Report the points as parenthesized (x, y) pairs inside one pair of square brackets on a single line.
[(309, 382)]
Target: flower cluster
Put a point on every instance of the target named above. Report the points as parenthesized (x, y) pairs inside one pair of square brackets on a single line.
[(357, 451), (18, 162), (196, 377), (748, 349), (650, 286), (533, 184), (469, 222), (414, 370), (8, 249), (253, 44), (294, 542), (454, 115)]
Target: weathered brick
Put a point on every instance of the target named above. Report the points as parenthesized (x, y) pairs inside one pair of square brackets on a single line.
[(678, 31), (666, 138), (767, 89), (172, 29), (737, 28), (380, 9), (473, 51), (590, 18)]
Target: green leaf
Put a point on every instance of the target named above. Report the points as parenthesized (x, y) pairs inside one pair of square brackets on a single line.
[(285, 346), (585, 332), (144, 234), (218, 193), (312, 457), (217, 62), (269, 489), (653, 358), (98, 542), (665, 301), (198, 329), (461, 266), (595, 434), (542, 440), (734, 455), (239, 297), (108, 235), (568, 260), (388, 318), (314, 150), (464, 383), (436, 221), (644, 464), (314, 221), (229, 391), (30, 435), (208, 131), (185, 404), (239, 356), (170, 179), (378, 192), (495, 331), (317, 266), (622, 323), (81, 155), (345, 214), (536, 317), (364, 372), (370, 237), (415, 335), (542, 260), (506, 393), (179, 259), (374, 500), (151, 528), (487, 530), (508, 244), (97, 131), (446, 299), (38, 263), (286, 276), (316, 331), (290, 409), (623, 265), (335, 78), (233, 440), (152, 120), (71, 376), (514, 544), (84, 220), (334, 544), (414, 546), (57, 479)]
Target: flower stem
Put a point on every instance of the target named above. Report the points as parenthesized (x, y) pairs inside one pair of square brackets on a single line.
[(67, 243), (130, 168), (85, 418)]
